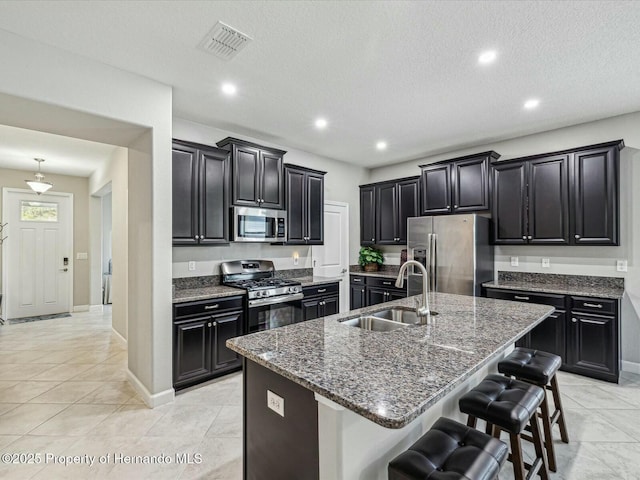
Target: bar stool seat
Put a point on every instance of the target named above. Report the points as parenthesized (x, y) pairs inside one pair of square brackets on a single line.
[(450, 450), (509, 405)]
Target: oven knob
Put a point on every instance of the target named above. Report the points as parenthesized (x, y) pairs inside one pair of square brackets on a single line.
[(293, 289)]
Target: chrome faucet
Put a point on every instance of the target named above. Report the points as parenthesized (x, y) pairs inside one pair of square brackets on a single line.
[(424, 310)]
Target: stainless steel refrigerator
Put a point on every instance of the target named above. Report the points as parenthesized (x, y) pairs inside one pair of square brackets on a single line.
[(455, 250)]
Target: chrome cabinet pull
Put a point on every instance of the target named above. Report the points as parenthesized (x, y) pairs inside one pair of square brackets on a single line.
[(592, 305), (386, 283), (211, 307), (524, 237), (529, 237), (209, 324), (520, 298), (455, 206), (196, 237), (577, 236), (322, 290), (574, 320), (595, 322)]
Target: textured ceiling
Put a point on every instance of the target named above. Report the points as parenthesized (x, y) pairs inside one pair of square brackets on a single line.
[(404, 72)]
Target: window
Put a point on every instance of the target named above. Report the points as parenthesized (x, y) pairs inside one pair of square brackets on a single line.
[(38, 211)]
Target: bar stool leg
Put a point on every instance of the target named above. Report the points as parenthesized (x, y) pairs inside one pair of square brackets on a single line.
[(539, 447), (471, 421), (516, 457), (548, 436), (564, 434)]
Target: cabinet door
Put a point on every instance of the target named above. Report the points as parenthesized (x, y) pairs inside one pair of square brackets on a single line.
[(185, 195), (367, 216), (436, 189), (245, 175), (593, 346), (549, 336), (214, 198), (315, 209), (470, 185), (191, 350), (358, 298), (395, 295), (549, 200), (272, 181), (296, 208), (311, 309), (376, 295), (386, 214), (595, 195), (224, 328), (330, 305), (508, 205), (408, 195)]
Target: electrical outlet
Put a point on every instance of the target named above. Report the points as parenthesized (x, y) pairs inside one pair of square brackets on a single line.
[(296, 258), (546, 263), (192, 266), (275, 403), (621, 265), (514, 261), (82, 256)]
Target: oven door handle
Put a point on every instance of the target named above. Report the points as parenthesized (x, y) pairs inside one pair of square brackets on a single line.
[(258, 302)]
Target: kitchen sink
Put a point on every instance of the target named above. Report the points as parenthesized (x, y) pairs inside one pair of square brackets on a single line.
[(402, 315), (375, 324)]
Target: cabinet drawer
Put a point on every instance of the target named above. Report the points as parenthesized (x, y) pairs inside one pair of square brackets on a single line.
[(213, 306), (323, 290), (382, 282), (358, 279), (604, 306), (552, 299)]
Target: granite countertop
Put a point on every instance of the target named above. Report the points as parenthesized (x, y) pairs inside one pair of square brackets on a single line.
[(382, 273), (392, 377), (579, 285), (316, 280), (205, 293)]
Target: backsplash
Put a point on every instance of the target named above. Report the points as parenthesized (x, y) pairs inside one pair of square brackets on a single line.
[(186, 283), (558, 279)]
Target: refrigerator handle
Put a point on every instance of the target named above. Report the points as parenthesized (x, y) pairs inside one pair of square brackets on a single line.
[(433, 263)]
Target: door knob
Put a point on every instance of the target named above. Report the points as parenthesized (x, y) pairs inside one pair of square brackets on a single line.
[(64, 269)]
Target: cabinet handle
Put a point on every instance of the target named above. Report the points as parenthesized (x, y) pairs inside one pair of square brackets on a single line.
[(577, 236), (448, 207), (595, 322), (211, 307), (517, 297), (455, 206), (574, 320), (529, 237), (209, 324), (322, 290), (592, 305), (215, 324), (363, 290), (196, 237), (386, 283), (373, 239), (524, 237)]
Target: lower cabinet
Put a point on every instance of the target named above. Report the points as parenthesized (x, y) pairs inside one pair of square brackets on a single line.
[(582, 330), (366, 291), (199, 337), (320, 301)]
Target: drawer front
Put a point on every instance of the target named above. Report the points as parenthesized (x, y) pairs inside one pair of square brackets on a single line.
[(381, 282), (358, 279), (321, 290), (552, 299), (212, 307), (600, 306)]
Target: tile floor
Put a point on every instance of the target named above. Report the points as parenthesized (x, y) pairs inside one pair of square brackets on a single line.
[(63, 392)]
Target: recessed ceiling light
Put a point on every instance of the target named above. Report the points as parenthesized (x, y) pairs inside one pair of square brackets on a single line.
[(321, 123), (229, 89), (381, 145), (531, 103), (487, 57)]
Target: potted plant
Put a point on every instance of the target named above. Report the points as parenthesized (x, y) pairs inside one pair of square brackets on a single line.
[(370, 259)]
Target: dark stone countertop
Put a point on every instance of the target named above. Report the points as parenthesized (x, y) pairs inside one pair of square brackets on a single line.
[(392, 377)]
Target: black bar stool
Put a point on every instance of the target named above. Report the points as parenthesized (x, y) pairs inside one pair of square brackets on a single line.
[(450, 450), (509, 405), (539, 368)]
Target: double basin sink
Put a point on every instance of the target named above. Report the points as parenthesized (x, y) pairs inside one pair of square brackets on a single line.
[(387, 320)]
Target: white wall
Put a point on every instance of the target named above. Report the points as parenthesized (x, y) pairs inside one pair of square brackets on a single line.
[(341, 184), (600, 261)]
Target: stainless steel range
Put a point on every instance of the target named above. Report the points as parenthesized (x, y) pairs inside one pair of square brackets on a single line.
[(271, 301)]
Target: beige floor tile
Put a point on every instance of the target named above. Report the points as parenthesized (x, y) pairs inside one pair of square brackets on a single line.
[(5, 407), (22, 392), (228, 423), (221, 460), (26, 417), (119, 357), (624, 458), (588, 426), (104, 372), (93, 356), (75, 420), (111, 393), (6, 440), (7, 383), (129, 421), (27, 356), (220, 393), (67, 392), (21, 371), (63, 372), (626, 420), (185, 421), (594, 397)]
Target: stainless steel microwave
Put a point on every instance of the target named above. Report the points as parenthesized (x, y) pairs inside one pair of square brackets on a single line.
[(254, 224)]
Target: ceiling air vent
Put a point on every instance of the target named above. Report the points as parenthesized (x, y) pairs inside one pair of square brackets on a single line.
[(224, 41)]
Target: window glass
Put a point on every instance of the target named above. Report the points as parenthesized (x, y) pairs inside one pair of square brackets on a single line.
[(31, 211)]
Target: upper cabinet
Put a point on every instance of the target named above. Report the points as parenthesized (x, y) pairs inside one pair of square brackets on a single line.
[(257, 175), (200, 179), (459, 185), (305, 205), (563, 198), (384, 209)]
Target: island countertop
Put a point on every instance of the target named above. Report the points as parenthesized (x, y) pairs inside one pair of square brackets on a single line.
[(392, 377)]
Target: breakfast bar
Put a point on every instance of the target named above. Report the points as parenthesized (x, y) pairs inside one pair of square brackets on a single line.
[(327, 399)]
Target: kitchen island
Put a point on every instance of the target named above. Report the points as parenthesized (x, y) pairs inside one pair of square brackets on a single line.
[(352, 399)]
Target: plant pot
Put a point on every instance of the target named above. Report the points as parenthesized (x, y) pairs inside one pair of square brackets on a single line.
[(371, 267)]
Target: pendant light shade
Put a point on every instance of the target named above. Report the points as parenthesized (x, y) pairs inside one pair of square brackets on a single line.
[(39, 185)]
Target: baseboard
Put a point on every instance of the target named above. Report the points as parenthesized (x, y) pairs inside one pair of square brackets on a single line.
[(117, 334), (96, 308), (81, 308), (152, 401), (631, 367)]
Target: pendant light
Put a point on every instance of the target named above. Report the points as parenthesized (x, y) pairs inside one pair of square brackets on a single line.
[(39, 185)]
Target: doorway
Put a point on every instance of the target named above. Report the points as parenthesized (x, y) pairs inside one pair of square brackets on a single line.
[(37, 253)]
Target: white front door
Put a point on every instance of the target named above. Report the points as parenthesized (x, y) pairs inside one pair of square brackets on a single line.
[(37, 277), (332, 258)]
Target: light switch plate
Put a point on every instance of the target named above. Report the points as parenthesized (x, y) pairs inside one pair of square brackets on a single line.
[(275, 403), (514, 261), (192, 266), (546, 263), (621, 265), (82, 256)]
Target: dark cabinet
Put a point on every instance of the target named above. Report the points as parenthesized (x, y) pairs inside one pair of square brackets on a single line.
[(305, 205), (257, 176), (199, 339), (200, 199), (320, 301), (459, 185), (367, 291), (531, 201), (357, 292), (596, 195), (367, 215), (376, 295)]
